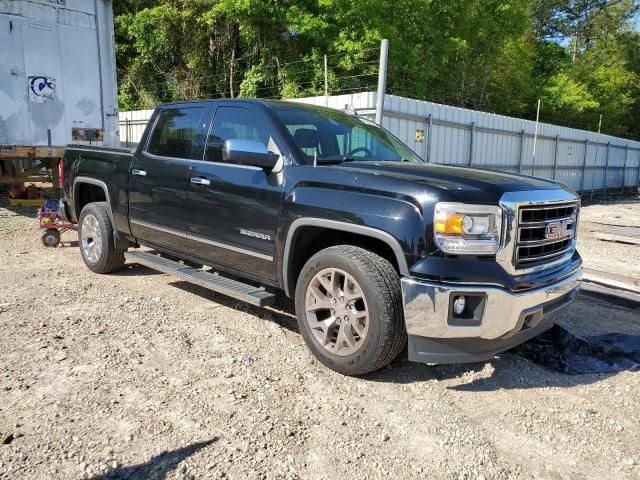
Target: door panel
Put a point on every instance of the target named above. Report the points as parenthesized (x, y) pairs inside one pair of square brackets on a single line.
[(159, 178), (233, 219), (157, 199)]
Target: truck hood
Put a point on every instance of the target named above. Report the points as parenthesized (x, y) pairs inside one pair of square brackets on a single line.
[(456, 183)]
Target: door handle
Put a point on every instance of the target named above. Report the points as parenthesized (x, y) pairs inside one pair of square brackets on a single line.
[(140, 173), (200, 181)]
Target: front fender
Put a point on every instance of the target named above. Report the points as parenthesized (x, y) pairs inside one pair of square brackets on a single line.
[(396, 221)]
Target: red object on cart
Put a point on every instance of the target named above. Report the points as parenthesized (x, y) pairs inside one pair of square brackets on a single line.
[(52, 224)]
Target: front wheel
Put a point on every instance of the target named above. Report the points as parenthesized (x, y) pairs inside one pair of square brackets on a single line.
[(349, 309), (95, 236)]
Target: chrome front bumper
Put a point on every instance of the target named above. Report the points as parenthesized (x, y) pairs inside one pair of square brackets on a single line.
[(500, 313)]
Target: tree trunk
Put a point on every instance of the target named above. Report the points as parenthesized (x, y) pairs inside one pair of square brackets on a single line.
[(233, 59)]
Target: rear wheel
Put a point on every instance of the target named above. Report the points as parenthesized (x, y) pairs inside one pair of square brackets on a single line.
[(349, 309), (95, 236)]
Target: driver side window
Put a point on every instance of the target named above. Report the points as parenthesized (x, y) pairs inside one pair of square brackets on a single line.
[(230, 123)]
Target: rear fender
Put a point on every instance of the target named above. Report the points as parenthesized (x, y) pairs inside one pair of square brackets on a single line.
[(120, 242)]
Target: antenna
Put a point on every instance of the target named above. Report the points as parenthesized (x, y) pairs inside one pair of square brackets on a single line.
[(350, 109)]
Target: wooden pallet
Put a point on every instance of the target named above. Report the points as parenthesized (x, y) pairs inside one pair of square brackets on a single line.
[(47, 157), (18, 152)]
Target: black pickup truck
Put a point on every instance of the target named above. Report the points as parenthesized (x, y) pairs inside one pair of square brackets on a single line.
[(378, 248)]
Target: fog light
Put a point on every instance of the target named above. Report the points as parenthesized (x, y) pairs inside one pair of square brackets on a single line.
[(458, 305)]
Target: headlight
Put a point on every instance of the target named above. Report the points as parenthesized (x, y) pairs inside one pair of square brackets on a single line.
[(468, 229)]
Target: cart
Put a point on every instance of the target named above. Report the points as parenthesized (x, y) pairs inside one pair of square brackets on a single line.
[(52, 224)]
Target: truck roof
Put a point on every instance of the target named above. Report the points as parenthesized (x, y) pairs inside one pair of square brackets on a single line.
[(253, 101)]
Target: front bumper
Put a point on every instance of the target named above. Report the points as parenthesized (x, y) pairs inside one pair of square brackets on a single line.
[(496, 319)]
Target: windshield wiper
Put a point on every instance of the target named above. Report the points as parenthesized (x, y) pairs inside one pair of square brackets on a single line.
[(323, 161), (329, 161)]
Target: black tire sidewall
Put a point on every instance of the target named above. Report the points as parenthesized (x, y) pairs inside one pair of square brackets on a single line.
[(98, 210), (54, 234), (357, 361)]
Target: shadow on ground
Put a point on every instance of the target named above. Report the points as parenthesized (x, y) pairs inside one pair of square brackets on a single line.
[(31, 212), (282, 313), (509, 372), (158, 467), (546, 367), (134, 270), (69, 243), (561, 357)]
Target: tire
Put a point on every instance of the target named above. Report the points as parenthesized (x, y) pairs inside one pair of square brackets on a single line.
[(94, 226), (50, 237), (369, 344)]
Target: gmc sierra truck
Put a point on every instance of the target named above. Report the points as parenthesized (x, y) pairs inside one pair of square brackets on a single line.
[(377, 248)]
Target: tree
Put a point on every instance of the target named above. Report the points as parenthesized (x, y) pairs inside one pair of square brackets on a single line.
[(579, 56)]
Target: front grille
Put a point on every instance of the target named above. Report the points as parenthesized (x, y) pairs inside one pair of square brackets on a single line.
[(545, 233)]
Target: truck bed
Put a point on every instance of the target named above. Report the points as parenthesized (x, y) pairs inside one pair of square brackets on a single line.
[(97, 148), (106, 167)]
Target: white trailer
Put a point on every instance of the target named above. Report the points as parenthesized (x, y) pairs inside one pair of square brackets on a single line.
[(57, 78)]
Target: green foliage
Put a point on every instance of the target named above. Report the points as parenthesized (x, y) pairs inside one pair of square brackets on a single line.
[(581, 57), (567, 97)]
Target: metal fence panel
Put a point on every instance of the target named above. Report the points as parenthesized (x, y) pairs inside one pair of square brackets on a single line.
[(449, 135), (132, 125)]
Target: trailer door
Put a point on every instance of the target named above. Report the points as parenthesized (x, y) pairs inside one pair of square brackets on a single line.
[(43, 75)]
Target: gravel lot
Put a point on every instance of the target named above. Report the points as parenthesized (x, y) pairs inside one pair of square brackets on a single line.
[(617, 258), (137, 375)]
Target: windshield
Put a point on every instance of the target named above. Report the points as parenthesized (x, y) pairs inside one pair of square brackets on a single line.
[(329, 136)]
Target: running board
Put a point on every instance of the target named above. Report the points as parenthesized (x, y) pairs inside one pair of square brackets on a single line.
[(212, 281)]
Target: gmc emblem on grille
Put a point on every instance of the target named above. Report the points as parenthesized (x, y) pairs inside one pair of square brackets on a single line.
[(557, 230)]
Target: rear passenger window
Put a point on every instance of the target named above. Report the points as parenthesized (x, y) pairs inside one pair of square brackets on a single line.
[(174, 132)]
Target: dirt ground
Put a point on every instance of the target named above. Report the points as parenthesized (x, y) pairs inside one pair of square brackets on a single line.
[(616, 258), (137, 375)]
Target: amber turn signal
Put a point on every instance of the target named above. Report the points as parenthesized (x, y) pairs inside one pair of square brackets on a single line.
[(449, 223)]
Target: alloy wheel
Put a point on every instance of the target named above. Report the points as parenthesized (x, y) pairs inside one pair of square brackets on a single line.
[(336, 311), (91, 238)]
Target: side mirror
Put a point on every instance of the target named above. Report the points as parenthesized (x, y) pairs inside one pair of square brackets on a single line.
[(249, 152)]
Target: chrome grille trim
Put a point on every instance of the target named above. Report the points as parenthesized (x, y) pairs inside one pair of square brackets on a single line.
[(555, 253), (512, 203), (533, 243), (544, 222), (541, 248)]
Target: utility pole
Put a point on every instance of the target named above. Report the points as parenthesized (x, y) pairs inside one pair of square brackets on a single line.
[(326, 82), (382, 79), (535, 140), (595, 159)]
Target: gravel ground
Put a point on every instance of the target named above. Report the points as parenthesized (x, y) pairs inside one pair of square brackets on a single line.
[(617, 258), (137, 375)]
